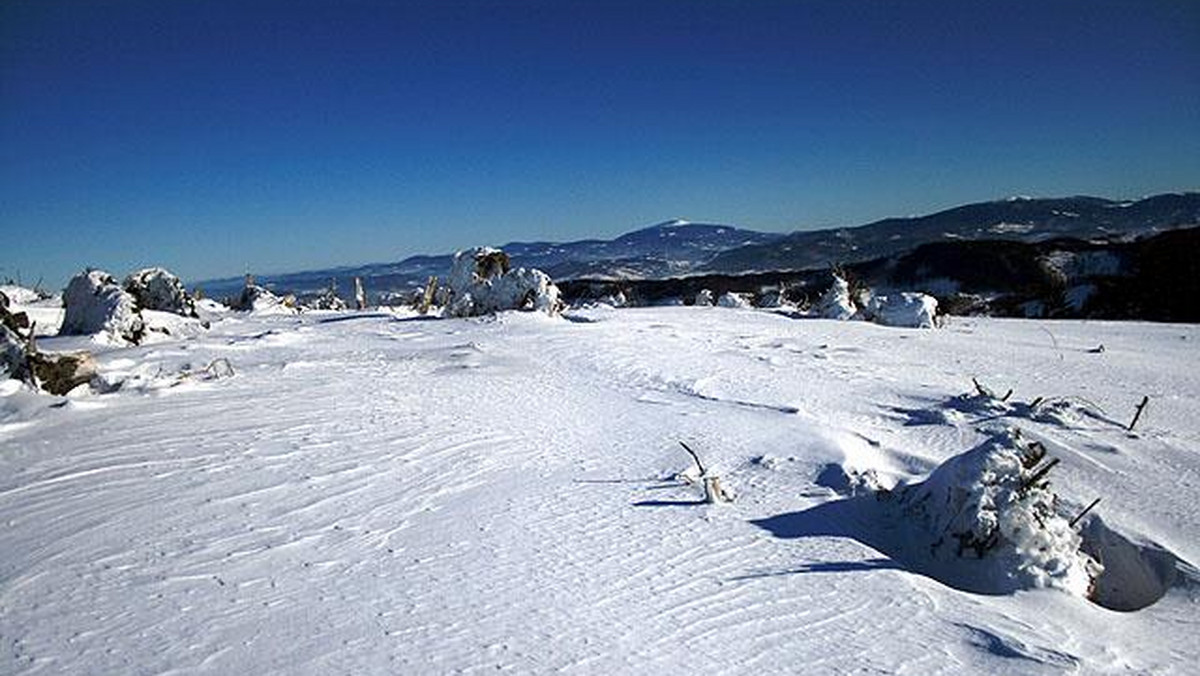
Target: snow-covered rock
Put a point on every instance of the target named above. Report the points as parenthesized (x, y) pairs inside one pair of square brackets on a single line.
[(836, 302), (481, 283), (96, 305), (989, 503), (159, 289), (705, 298), (255, 298), (913, 310), (733, 300)]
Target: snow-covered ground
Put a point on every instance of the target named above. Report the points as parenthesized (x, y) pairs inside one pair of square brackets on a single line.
[(369, 493)]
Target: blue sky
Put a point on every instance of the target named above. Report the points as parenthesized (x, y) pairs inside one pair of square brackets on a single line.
[(218, 137)]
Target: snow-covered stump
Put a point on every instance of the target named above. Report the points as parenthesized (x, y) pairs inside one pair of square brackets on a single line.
[(360, 294), (993, 504), (95, 304), (159, 289), (481, 282)]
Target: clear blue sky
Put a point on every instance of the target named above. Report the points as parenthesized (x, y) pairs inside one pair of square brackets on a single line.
[(215, 136)]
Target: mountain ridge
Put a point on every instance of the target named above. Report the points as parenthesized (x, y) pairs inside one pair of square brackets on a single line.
[(679, 247)]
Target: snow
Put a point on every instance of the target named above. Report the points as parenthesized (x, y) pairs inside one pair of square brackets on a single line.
[(377, 493), (19, 294)]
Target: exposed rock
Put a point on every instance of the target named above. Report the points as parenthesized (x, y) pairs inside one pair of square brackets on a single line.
[(97, 305), (158, 289), (61, 373)]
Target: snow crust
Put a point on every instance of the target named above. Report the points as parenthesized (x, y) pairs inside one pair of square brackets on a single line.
[(379, 493)]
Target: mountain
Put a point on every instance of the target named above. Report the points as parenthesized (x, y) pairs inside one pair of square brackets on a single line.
[(679, 248), (1020, 219), (667, 249)]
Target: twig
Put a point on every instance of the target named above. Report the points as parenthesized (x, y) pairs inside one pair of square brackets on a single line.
[(1053, 340), (1085, 511), (694, 457), (1140, 408), (1037, 476)]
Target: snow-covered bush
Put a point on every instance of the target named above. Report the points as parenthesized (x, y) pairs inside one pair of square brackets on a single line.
[(704, 298), (481, 283), (913, 310), (329, 299), (733, 300), (992, 503), (96, 304), (159, 289), (836, 302)]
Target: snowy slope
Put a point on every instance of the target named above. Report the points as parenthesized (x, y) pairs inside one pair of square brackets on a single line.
[(380, 494)]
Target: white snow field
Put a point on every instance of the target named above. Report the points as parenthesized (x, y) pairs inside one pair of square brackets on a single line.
[(370, 493)]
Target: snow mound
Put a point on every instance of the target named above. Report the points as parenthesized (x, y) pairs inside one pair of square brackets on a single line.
[(96, 305), (159, 289), (481, 283), (992, 503), (911, 310)]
